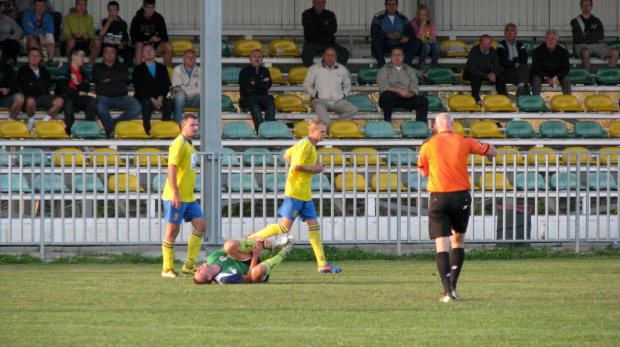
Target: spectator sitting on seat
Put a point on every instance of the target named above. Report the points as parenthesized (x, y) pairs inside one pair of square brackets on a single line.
[(550, 63), (482, 65), (78, 31), (588, 34), (35, 82), (425, 31), (114, 33), (9, 96), (10, 34), (149, 26), (73, 84), (111, 78), (513, 60), (320, 25), (21, 6), (185, 85), (390, 29), (254, 84), (398, 85), (329, 84), (38, 28), (152, 84)]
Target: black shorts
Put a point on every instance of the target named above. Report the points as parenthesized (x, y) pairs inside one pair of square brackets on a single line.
[(44, 101), (447, 212)]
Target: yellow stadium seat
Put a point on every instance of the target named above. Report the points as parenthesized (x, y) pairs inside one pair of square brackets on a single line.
[(297, 75), (50, 130), (493, 44), (180, 46), (460, 103), (497, 103), (541, 158), (458, 129), (350, 182), (130, 130), (301, 129), (363, 159), (165, 130), (149, 159), (193, 110), (477, 159), (609, 158), (386, 182), (331, 156), (565, 103), (74, 158), (486, 181), (578, 156), (600, 103), (170, 69), (613, 129), (98, 157), (290, 103), (466, 81), (484, 129), (12, 129), (283, 48), (508, 156), (276, 75), (124, 183), (453, 48), (243, 48), (344, 129)]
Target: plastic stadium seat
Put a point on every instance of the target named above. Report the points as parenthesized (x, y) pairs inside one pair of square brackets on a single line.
[(5, 158), (331, 156), (497, 103), (320, 182), (532, 103), (519, 129), (130, 130), (165, 129), (124, 183), (580, 75), (440, 75), (577, 155), (609, 155), (228, 157), (238, 130), (614, 44), (275, 182), (301, 129), (50, 130), (15, 183), (414, 130), (297, 75), (597, 103), (367, 75), (484, 129), (276, 75), (344, 129), (159, 182), (564, 181), (106, 156), (290, 103), (435, 104), (230, 74), (565, 103), (529, 47), (508, 156), (350, 182), (553, 128), (466, 81), (362, 102), (33, 157), (227, 104), (541, 155), (258, 156), (243, 183), (453, 48), (180, 46), (226, 50), (459, 129), (493, 44), (530, 181), (601, 181), (417, 182), (274, 130), (12, 129), (589, 129), (402, 156), (607, 76), (281, 161), (613, 129), (477, 159), (49, 183), (460, 103), (88, 183), (87, 130), (142, 159), (386, 182), (367, 158), (243, 48), (73, 157), (380, 130), (170, 70), (486, 181), (283, 48)]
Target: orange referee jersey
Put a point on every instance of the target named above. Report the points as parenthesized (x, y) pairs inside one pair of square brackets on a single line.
[(444, 156)]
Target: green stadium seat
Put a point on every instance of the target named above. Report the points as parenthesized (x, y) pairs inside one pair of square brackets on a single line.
[(440, 75), (532, 103), (33, 157), (230, 75), (275, 182), (243, 183), (14, 183), (88, 183), (227, 104), (49, 183), (362, 102), (614, 44), (281, 161), (519, 129), (320, 182), (87, 130), (380, 129), (401, 155), (530, 181), (367, 75), (553, 128), (274, 130), (238, 130), (563, 45), (564, 181), (5, 158), (417, 182), (580, 76), (589, 129), (415, 130), (159, 182), (435, 104), (228, 157), (529, 47), (258, 156), (226, 52), (607, 76), (601, 180)]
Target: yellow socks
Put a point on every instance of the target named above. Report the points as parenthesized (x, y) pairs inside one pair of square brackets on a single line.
[(314, 233), (167, 250), (193, 247), (273, 261), (246, 245), (270, 230)]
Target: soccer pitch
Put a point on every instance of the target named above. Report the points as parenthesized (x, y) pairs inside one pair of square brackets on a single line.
[(563, 302)]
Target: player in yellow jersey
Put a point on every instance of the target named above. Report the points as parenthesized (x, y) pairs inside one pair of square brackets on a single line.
[(298, 193), (179, 200)]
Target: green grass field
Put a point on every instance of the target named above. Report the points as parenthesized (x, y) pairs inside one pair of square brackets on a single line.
[(563, 302)]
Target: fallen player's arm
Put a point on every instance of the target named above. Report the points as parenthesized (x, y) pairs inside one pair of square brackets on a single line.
[(256, 249)]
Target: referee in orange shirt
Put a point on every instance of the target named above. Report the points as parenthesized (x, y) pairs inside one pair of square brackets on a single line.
[(443, 157)]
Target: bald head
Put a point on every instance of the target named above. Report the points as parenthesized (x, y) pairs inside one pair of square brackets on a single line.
[(444, 121)]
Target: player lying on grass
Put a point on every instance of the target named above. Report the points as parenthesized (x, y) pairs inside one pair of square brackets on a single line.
[(237, 262)]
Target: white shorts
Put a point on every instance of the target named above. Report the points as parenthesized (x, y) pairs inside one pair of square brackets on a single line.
[(48, 37)]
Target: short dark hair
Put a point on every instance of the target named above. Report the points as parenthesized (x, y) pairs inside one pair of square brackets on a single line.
[(76, 51), (114, 3), (148, 2), (147, 43), (35, 1), (188, 116), (34, 49), (386, 1), (485, 36), (581, 2)]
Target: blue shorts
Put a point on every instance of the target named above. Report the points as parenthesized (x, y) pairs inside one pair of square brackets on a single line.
[(187, 211), (291, 208)]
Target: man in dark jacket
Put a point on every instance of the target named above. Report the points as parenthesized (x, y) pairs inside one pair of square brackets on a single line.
[(9, 96), (482, 65), (588, 34), (114, 32), (390, 29), (513, 60), (35, 82), (73, 84), (111, 77), (550, 64), (320, 25), (152, 84), (150, 26), (254, 84)]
